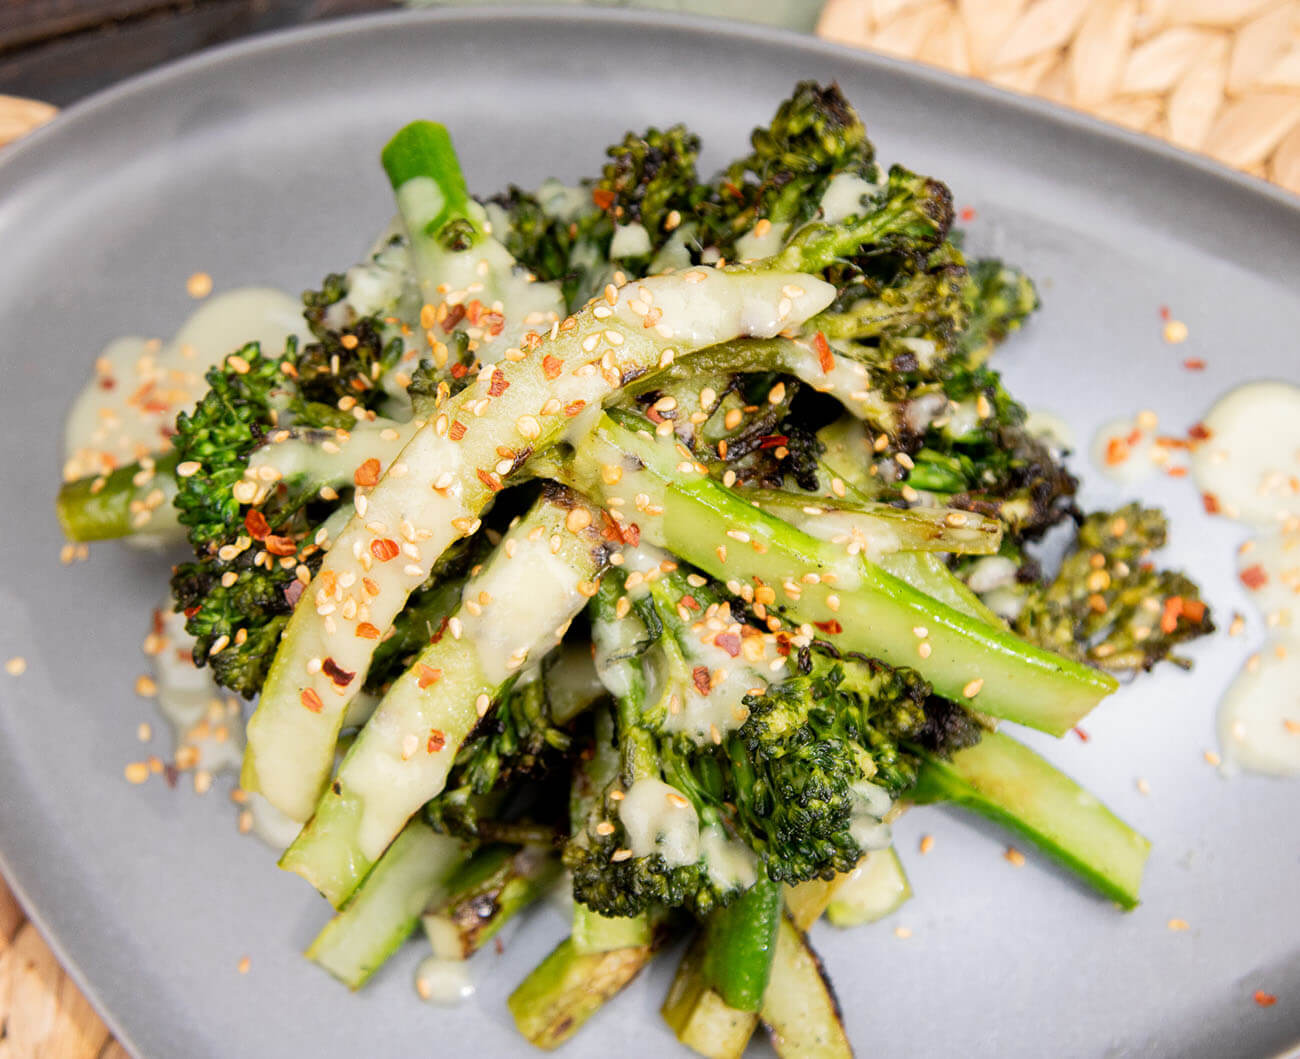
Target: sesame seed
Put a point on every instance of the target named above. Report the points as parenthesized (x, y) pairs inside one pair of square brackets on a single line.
[(920, 632), (776, 394), (1143, 786), (621, 855), (903, 932), (927, 843), (146, 686), (924, 650), (1211, 758), (1175, 331), (136, 772), (1015, 856), (973, 688), (199, 285), (16, 666), (1178, 924), (244, 964)]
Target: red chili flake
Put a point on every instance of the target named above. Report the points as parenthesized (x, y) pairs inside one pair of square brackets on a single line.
[(1116, 452), (368, 473), (1177, 472), (106, 384), (1211, 503), (171, 774), (293, 592), (280, 545), (825, 357), (602, 197), (1083, 736), (1194, 610), (438, 632), (311, 700), (690, 603), (1194, 364), (1254, 577), (653, 414), (632, 534), (459, 371), (1165, 314), (384, 548), (337, 673), (732, 190), (426, 675), (371, 587), (831, 627), (1199, 432), (499, 384), (257, 526), (574, 407), (967, 214), (495, 323), (436, 741), (474, 311), (729, 642), (700, 677), (454, 316), (1265, 1000), (1169, 616), (773, 441), (489, 479), (782, 644), (366, 631), (456, 431), (552, 366), (191, 611), (609, 529)]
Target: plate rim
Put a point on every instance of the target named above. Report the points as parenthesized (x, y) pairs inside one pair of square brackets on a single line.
[(24, 880)]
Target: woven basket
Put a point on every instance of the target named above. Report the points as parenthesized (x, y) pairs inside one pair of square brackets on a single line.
[(1217, 76)]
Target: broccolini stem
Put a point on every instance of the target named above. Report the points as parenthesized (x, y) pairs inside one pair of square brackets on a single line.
[(861, 606), (414, 871), (423, 151), (133, 499), (496, 884), (742, 942), (1007, 782)]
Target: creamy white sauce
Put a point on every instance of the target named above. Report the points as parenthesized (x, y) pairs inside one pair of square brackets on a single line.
[(873, 889), (1125, 449), (444, 983), (763, 240), (658, 818), (675, 253), (269, 824), (630, 240), (1051, 430), (532, 596), (731, 864), (872, 537), (127, 411), (1251, 461), (1250, 466), (206, 721), (1259, 718), (843, 196), (991, 572), (867, 824)]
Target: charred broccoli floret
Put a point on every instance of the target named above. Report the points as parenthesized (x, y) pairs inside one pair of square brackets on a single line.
[(1109, 604)]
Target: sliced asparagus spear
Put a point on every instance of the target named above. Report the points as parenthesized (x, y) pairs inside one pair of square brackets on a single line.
[(567, 988), (799, 1009), (496, 884), (871, 891), (700, 1017), (414, 871), (102, 507), (1007, 782), (652, 485), (514, 610)]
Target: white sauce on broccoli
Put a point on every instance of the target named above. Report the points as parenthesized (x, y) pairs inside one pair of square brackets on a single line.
[(731, 864), (1250, 466), (630, 240), (128, 409), (658, 818), (843, 197)]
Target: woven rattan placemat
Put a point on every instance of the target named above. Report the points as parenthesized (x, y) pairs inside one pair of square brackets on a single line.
[(1217, 76)]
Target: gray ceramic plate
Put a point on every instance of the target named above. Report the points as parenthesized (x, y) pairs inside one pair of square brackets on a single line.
[(258, 163)]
